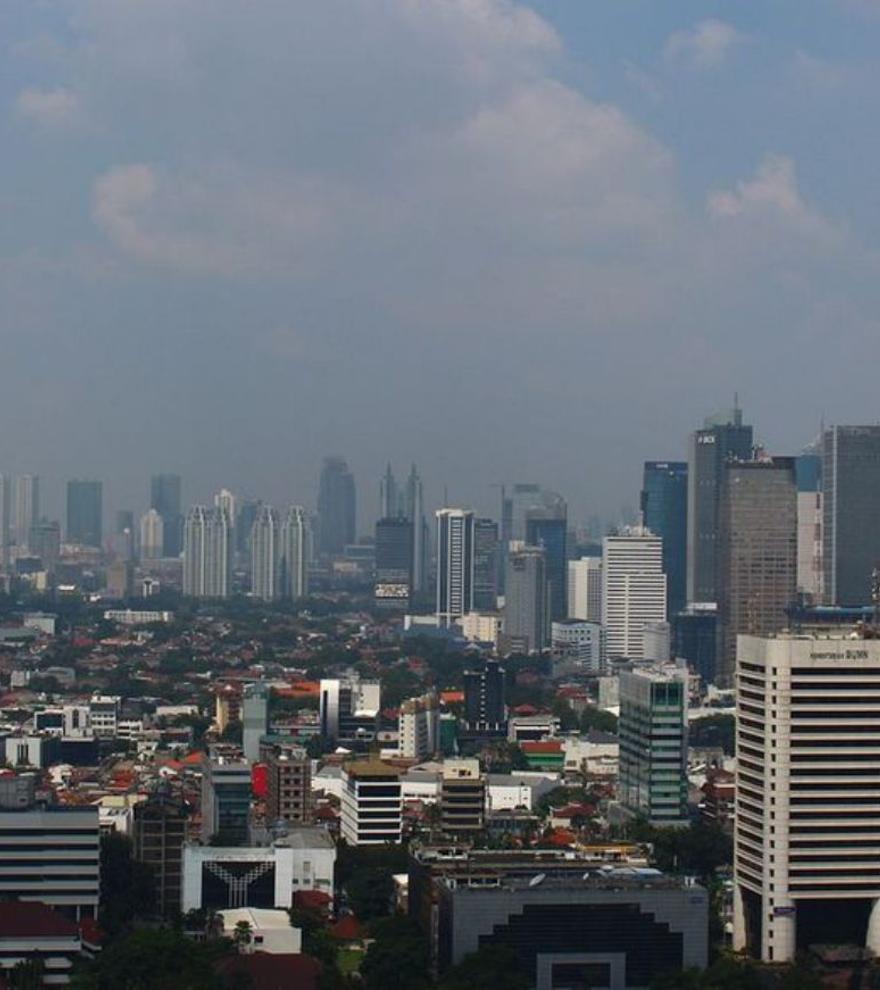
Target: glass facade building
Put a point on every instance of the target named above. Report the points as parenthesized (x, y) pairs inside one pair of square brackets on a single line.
[(664, 512)]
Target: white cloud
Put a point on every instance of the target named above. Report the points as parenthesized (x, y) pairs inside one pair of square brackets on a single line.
[(50, 108), (706, 45)]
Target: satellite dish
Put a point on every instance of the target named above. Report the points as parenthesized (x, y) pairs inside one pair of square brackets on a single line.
[(535, 881)]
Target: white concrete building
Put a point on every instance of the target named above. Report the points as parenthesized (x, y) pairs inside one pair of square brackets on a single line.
[(265, 567), (481, 627), (580, 642), (270, 930), (585, 589), (104, 715), (505, 791), (418, 727), (152, 535), (633, 590), (807, 833), (455, 565), (137, 617), (371, 803)]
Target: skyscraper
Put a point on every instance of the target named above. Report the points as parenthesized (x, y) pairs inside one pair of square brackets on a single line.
[(165, 499), (248, 508), (810, 572), (390, 501), (85, 513), (336, 507), (207, 553), (485, 565), (664, 512), (27, 507), (547, 527), (295, 553), (757, 553), (526, 599), (415, 512), (226, 500), (265, 558), (152, 540), (45, 543), (633, 589), (850, 486), (485, 710), (455, 564), (394, 542), (722, 437), (585, 589), (5, 517)]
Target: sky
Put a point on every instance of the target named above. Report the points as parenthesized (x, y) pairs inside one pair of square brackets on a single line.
[(508, 241)]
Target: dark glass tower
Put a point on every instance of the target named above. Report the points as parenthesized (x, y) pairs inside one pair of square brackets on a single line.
[(485, 565), (547, 527), (165, 499), (664, 512), (85, 513), (336, 507), (393, 585), (484, 708)]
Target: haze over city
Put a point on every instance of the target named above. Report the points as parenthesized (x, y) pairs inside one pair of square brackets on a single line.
[(508, 241)]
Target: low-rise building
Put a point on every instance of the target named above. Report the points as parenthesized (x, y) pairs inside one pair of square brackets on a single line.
[(505, 791), (462, 797), (371, 803)]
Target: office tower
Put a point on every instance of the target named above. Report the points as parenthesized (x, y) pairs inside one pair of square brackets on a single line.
[(165, 499), (48, 853), (391, 502), (664, 512), (415, 512), (394, 557), (807, 855), (226, 803), (585, 589), (418, 727), (122, 541), (695, 638), (547, 527), (289, 797), (349, 708), (248, 510), (158, 835), (580, 643), (295, 553), (372, 804), (462, 798), (265, 563), (808, 467), (45, 543), (152, 535), (653, 743), (207, 553), (657, 642), (851, 536), (756, 553), (5, 517), (526, 623), (485, 565), (485, 710), (336, 507), (254, 719), (455, 564), (515, 502), (85, 513), (26, 507), (722, 438), (633, 589)]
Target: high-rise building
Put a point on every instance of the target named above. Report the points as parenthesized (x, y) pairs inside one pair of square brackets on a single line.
[(526, 625), (5, 518), (394, 558), (633, 589), (455, 564), (515, 502), (207, 553), (415, 512), (850, 483), (581, 643), (485, 710), (695, 638), (391, 501), (585, 589), (226, 803), (265, 563), (295, 553), (349, 708), (547, 527), (664, 512), (248, 509), (26, 507), (418, 727), (152, 535), (756, 553), (653, 743), (45, 543), (722, 438), (372, 803), (158, 835), (337, 507), (254, 719), (123, 540), (85, 513), (807, 839), (810, 577), (485, 565), (165, 499), (226, 500), (289, 797)]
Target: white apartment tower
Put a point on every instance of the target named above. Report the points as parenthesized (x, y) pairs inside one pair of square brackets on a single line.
[(295, 553), (419, 727), (152, 535), (807, 832), (265, 563), (455, 564), (207, 549), (633, 589), (585, 589)]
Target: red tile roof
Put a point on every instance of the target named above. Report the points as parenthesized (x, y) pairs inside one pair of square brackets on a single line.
[(549, 746), (273, 971), (348, 928), (33, 919)]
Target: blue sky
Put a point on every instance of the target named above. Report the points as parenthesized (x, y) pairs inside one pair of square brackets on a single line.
[(508, 241)]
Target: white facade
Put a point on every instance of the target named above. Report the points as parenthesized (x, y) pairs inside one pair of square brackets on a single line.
[(137, 617), (809, 544), (657, 642), (585, 589), (481, 627), (455, 564), (581, 642), (152, 535), (295, 553), (418, 727), (27, 507), (633, 590), (807, 714), (270, 930), (265, 569), (518, 790), (207, 550)]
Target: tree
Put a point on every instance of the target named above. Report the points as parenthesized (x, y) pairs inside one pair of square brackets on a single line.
[(716, 730), (128, 888), (27, 975), (242, 935), (370, 891), (483, 968), (598, 718), (398, 959)]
